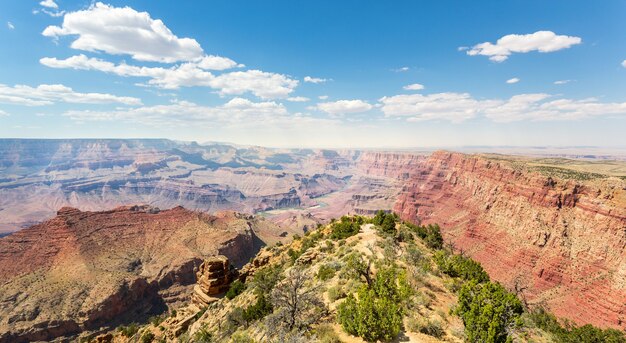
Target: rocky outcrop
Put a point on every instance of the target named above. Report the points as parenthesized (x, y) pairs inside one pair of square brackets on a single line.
[(214, 277), (83, 271), (561, 243)]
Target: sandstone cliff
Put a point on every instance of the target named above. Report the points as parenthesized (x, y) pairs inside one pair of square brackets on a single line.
[(90, 270), (561, 243)]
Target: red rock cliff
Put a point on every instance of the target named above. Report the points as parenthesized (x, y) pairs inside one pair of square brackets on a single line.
[(87, 270), (565, 241)]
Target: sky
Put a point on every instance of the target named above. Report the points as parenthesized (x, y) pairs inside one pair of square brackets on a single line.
[(343, 74)]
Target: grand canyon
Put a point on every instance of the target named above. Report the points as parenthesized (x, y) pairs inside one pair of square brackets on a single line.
[(99, 231), (312, 171)]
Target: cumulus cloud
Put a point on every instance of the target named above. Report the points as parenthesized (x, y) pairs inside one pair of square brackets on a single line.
[(454, 107), (298, 99), (262, 84), (50, 94), (542, 41), (3, 114), (237, 113), (513, 80), (457, 107), (310, 79), (344, 107), (10, 25), (624, 64), (562, 82), (414, 87), (124, 31), (323, 97), (211, 62), (49, 4)]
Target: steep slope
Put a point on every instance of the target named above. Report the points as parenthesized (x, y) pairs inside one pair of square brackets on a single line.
[(86, 270), (561, 242)]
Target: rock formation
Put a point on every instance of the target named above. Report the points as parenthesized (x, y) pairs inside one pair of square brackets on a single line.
[(214, 277), (561, 243), (82, 271)]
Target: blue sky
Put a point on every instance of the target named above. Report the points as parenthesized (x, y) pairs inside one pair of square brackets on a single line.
[(317, 73)]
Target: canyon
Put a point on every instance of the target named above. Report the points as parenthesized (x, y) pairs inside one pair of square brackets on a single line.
[(552, 231)]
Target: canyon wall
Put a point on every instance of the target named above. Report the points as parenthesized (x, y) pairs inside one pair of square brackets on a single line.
[(83, 271), (559, 243)]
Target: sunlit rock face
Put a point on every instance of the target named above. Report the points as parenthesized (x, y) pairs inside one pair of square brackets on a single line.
[(563, 243)]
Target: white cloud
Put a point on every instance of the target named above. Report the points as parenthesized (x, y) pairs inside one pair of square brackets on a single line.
[(624, 64), (236, 114), (211, 62), (542, 41), (298, 99), (454, 107), (124, 31), (10, 25), (3, 114), (49, 4), (314, 79), (344, 107), (562, 82), (513, 80), (49, 94), (457, 107), (414, 87), (323, 97), (262, 84)]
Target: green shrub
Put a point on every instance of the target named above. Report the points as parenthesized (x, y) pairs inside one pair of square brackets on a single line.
[(259, 310), (128, 331), (336, 292), (241, 337), (325, 272), (236, 288), (488, 311), (266, 278), (370, 317), (148, 337), (325, 333), (376, 314), (431, 235), (346, 227), (587, 333), (460, 266), (428, 327), (386, 221), (203, 335)]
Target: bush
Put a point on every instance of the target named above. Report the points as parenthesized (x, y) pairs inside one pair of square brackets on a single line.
[(431, 235), (128, 331), (148, 337), (325, 333), (325, 272), (370, 317), (587, 333), (266, 278), (241, 337), (203, 335), (488, 311), (429, 327), (236, 288), (377, 312), (386, 221), (336, 292), (259, 310), (346, 227), (460, 266)]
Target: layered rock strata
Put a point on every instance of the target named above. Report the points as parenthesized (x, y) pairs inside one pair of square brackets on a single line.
[(559, 243)]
